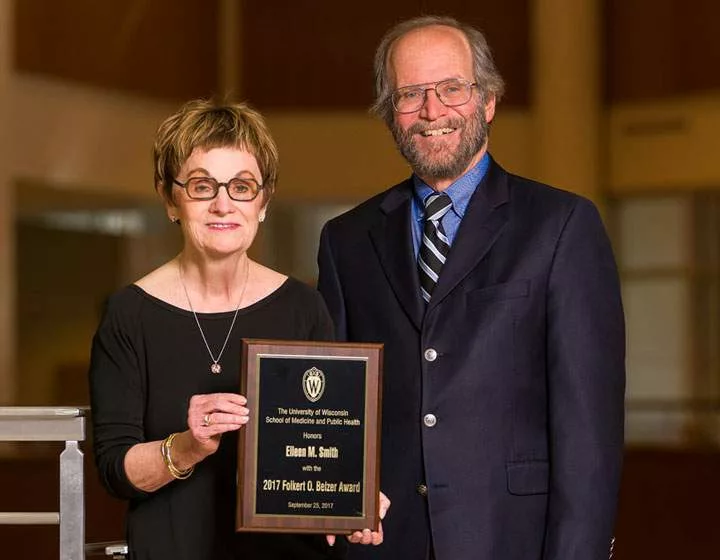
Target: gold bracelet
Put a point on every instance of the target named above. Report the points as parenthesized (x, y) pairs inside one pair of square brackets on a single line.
[(165, 448)]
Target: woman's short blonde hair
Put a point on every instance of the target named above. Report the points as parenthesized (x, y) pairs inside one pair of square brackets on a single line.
[(207, 124)]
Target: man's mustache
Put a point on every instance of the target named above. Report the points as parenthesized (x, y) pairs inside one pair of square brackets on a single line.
[(420, 127)]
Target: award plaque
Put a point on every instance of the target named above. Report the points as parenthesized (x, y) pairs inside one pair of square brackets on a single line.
[(308, 459)]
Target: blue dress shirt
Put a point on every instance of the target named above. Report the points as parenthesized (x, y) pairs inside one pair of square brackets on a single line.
[(459, 192)]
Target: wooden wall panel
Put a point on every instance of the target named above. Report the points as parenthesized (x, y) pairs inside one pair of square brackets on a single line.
[(319, 53), (668, 505), (160, 48), (661, 48)]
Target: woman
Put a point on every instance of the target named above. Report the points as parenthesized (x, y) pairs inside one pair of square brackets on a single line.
[(165, 359)]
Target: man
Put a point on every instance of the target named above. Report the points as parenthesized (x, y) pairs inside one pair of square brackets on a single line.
[(500, 310)]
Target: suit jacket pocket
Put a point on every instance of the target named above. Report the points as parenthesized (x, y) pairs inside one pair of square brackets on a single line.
[(508, 290), (526, 479)]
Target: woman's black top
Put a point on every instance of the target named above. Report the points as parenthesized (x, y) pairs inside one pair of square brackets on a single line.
[(148, 359)]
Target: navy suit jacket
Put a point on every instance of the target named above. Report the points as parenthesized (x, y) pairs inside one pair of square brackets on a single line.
[(526, 384)]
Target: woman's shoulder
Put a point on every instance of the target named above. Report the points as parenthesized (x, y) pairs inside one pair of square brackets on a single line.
[(299, 290), (303, 310), (306, 300), (161, 283), (266, 282), (121, 311), (283, 290), (125, 299), (129, 301)]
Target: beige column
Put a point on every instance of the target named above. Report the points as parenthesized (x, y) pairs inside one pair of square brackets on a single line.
[(567, 94), (8, 379), (229, 48)]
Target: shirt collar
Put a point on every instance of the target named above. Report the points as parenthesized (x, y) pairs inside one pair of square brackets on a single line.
[(460, 192)]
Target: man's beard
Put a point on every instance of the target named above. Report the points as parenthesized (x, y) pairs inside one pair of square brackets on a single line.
[(443, 163)]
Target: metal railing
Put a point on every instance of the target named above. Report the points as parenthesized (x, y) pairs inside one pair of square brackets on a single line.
[(23, 423)]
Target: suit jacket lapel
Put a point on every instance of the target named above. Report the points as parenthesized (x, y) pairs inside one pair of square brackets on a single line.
[(392, 239), (484, 218)]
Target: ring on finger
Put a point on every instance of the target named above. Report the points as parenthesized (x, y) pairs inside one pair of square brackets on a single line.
[(207, 420)]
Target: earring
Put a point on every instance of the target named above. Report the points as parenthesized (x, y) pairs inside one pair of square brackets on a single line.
[(261, 217), (174, 219)]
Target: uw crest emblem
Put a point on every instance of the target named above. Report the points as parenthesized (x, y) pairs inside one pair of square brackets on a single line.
[(313, 383)]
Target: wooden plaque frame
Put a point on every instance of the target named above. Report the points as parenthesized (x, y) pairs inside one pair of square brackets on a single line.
[(306, 503)]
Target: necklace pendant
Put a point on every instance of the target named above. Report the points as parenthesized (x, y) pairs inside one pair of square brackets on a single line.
[(216, 368)]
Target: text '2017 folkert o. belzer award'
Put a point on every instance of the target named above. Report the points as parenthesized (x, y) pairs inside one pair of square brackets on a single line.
[(308, 458)]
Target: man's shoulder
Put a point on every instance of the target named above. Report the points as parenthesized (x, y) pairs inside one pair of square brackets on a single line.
[(367, 212), (541, 196), (527, 187)]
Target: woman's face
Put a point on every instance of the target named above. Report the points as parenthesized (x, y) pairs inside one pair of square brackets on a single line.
[(221, 226)]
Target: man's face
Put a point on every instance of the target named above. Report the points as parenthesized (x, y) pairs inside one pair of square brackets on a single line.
[(440, 143)]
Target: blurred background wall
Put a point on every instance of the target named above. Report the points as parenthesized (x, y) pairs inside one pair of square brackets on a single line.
[(618, 100)]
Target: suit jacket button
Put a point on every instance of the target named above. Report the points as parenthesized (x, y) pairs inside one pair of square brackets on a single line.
[(422, 490), (431, 354), (429, 420)]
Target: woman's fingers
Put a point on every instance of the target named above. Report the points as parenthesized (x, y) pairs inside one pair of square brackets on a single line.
[(220, 400), (224, 419), (209, 416), (215, 409)]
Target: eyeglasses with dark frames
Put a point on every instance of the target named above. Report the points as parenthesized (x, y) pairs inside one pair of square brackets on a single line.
[(451, 93), (242, 189)]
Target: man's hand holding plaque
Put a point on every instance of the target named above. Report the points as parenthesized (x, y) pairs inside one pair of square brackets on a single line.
[(366, 536)]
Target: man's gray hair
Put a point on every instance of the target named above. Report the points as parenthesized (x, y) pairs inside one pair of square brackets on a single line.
[(488, 79)]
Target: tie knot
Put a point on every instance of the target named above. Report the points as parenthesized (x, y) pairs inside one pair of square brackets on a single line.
[(436, 206)]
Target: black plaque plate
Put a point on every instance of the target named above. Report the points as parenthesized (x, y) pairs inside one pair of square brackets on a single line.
[(309, 456)]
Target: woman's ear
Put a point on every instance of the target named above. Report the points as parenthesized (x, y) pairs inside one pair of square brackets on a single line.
[(169, 204), (161, 192), (263, 213), (172, 214)]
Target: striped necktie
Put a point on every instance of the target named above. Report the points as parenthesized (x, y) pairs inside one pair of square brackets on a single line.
[(435, 245)]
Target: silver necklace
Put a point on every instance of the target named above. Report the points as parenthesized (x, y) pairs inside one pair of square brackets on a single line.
[(215, 367)]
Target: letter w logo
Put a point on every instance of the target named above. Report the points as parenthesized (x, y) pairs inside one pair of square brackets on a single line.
[(313, 383)]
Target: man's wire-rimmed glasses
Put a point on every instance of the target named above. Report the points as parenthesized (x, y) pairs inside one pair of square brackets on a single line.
[(451, 93), (242, 189)]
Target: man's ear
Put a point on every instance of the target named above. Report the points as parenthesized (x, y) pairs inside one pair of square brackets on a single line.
[(490, 108)]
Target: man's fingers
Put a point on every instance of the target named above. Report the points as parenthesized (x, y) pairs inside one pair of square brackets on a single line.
[(361, 537), (384, 505)]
